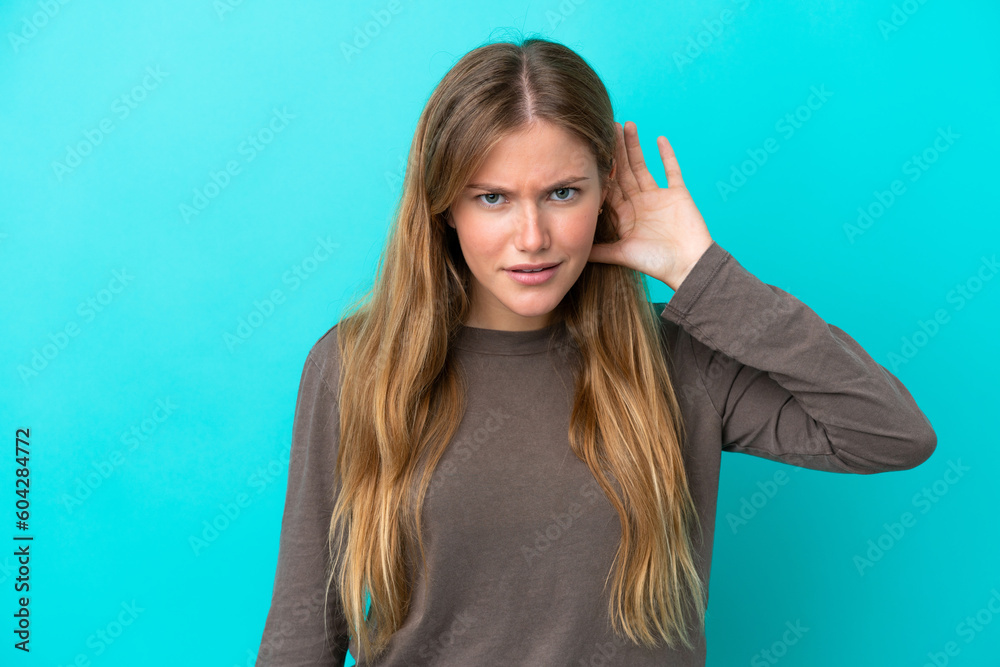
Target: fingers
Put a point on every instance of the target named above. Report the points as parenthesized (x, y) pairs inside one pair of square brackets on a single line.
[(670, 166), (635, 159), (625, 176)]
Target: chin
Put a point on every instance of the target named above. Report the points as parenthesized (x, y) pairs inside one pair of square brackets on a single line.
[(535, 311)]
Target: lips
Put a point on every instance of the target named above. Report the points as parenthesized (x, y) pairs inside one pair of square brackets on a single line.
[(533, 277), (529, 267)]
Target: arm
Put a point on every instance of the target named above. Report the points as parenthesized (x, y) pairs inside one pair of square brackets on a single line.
[(788, 386), (294, 632)]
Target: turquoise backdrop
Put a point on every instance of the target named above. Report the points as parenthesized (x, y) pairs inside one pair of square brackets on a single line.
[(191, 191)]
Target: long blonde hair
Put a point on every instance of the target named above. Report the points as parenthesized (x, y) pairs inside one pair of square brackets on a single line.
[(401, 397)]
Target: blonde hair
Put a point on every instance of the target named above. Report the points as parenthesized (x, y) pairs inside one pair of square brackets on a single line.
[(402, 398)]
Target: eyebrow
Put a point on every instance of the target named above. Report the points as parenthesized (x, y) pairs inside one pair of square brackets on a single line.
[(555, 186)]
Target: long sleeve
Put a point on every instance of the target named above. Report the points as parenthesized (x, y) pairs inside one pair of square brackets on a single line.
[(786, 385), (294, 632)]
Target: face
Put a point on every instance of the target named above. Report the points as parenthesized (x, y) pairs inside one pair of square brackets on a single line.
[(534, 201)]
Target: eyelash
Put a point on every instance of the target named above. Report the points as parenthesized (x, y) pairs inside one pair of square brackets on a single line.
[(488, 205)]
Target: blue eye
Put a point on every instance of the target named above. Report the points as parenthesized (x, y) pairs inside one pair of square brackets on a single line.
[(490, 204), (496, 203)]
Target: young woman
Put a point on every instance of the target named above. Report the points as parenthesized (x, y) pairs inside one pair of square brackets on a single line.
[(520, 466)]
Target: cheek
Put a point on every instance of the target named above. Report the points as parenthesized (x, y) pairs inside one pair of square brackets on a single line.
[(481, 245), (579, 233)]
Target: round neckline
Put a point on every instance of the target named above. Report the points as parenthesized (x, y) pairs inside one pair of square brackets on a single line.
[(499, 341)]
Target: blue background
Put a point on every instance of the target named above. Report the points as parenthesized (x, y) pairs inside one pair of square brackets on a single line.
[(157, 99)]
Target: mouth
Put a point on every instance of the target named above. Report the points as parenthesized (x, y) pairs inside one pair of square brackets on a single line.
[(528, 274), (528, 268)]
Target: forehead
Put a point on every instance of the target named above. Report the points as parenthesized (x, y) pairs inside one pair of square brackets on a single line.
[(539, 153)]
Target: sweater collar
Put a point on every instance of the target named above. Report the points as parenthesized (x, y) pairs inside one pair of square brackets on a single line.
[(496, 341)]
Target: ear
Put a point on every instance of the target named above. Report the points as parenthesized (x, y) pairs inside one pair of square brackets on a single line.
[(447, 218), (611, 178)]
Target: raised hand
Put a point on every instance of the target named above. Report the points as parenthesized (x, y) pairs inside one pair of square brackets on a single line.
[(661, 230)]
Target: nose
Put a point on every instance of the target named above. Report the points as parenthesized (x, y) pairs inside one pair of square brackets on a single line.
[(531, 233)]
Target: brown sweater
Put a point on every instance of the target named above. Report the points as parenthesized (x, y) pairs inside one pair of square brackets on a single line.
[(520, 537)]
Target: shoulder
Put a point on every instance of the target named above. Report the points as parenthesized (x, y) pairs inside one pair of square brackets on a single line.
[(323, 359)]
